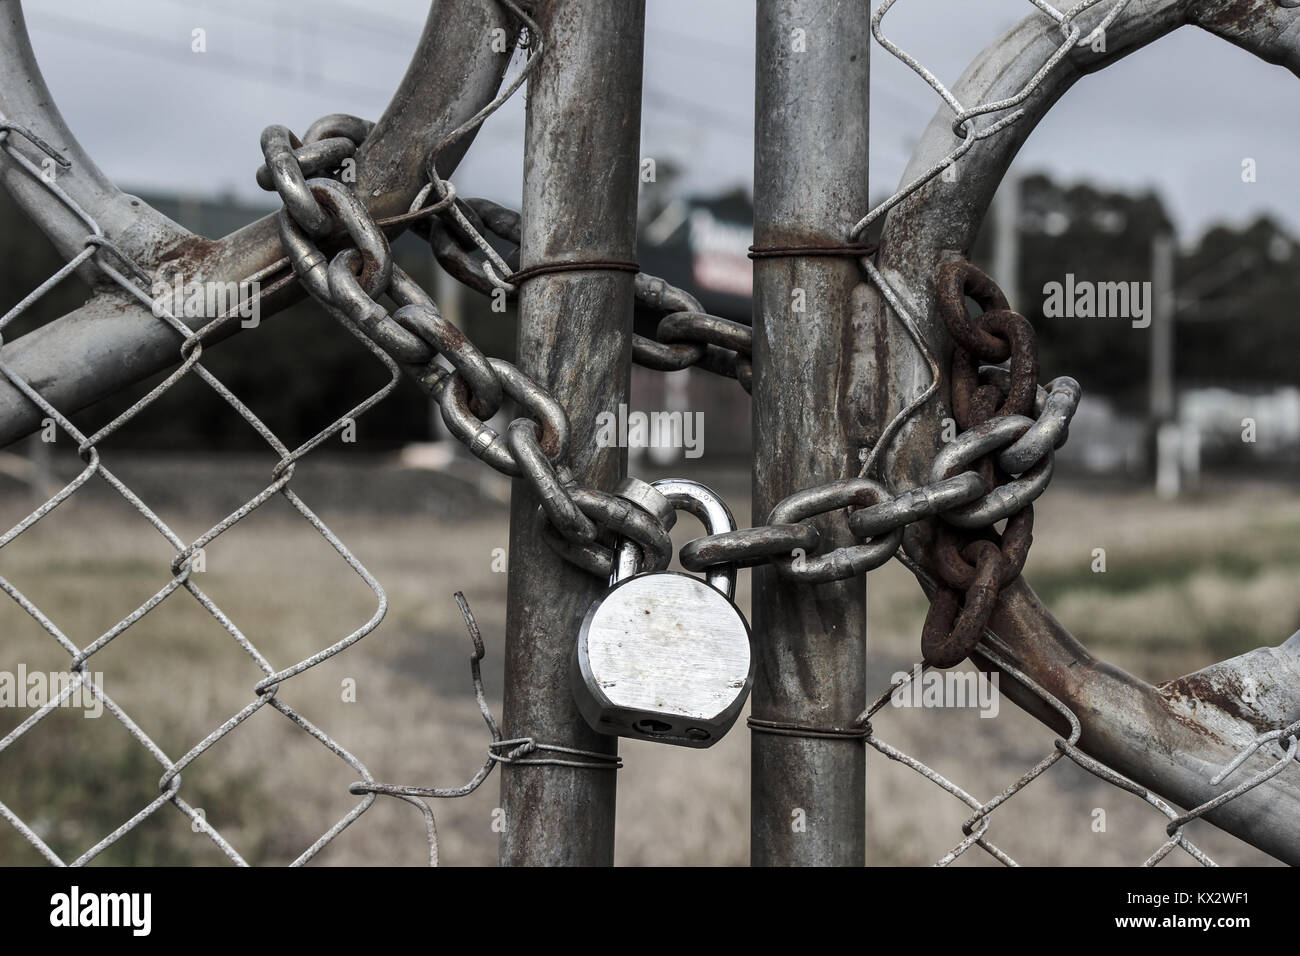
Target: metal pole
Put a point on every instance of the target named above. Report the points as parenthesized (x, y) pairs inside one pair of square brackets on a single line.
[(813, 409), (580, 188)]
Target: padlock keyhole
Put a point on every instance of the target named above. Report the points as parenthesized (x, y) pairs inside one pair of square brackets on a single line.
[(650, 727)]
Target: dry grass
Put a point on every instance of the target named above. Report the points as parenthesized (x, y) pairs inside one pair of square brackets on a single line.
[(1186, 584)]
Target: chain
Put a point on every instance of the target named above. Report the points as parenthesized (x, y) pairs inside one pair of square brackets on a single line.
[(973, 560), (956, 492), (685, 335), (971, 483), (583, 523), (997, 465), (341, 255), (992, 471)]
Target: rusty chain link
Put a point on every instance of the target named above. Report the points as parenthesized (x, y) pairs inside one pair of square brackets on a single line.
[(584, 525), (973, 560), (991, 471)]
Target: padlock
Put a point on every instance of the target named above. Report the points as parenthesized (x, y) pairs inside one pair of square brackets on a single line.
[(663, 655)]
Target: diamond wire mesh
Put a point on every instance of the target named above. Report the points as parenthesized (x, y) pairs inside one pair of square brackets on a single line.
[(108, 259), (975, 827)]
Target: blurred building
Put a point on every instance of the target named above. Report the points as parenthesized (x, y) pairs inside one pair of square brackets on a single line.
[(700, 245), (1239, 427)]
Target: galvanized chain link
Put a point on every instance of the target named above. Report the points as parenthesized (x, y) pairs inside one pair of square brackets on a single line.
[(975, 828), (315, 208), (517, 751), (963, 124), (685, 336)]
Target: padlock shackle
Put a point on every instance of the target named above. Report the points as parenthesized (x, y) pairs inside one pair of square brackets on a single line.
[(705, 504)]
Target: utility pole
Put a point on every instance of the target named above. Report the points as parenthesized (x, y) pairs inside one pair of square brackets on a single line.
[(1006, 238), (1165, 443)]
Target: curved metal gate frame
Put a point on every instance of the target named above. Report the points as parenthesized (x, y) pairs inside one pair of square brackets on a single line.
[(79, 358), (1174, 739)]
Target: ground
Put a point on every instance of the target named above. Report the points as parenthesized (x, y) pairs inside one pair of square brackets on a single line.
[(1186, 583)]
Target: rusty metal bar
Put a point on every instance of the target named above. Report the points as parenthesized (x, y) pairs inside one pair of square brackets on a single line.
[(1172, 738), (112, 341), (580, 189), (814, 407)]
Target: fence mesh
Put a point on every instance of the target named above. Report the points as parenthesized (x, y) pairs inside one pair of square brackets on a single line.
[(975, 828), (129, 278)]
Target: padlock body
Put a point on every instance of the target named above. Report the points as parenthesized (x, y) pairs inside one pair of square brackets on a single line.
[(665, 657)]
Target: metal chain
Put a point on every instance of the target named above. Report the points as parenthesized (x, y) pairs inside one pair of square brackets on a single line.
[(971, 487), (470, 387), (971, 484), (584, 525), (975, 562), (685, 336), (956, 491)]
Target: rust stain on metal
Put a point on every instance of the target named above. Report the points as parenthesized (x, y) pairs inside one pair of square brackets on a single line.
[(191, 249), (1223, 691), (1239, 16)]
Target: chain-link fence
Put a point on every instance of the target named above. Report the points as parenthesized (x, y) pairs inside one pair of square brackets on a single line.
[(992, 649), (134, 282)]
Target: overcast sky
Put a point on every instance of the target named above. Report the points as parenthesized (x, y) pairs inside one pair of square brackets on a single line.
[(1179, 116)]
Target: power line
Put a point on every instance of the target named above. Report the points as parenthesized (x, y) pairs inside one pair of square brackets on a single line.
[(157, 48), (361, 23)]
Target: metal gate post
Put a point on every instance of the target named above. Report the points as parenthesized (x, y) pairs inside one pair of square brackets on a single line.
[(812, 413), (580, 193)]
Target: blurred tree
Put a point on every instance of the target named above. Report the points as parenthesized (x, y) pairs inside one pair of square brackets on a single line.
[(1237, 307), (1235, 291)]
